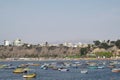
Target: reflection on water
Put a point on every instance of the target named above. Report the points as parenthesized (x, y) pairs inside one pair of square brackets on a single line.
[(62, 70)]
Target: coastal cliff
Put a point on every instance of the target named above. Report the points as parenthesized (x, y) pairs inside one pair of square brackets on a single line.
[(98, 49), (36, 51)]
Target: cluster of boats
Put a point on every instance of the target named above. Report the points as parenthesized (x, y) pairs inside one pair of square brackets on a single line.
[(83, 67), (62, 66), (21, 69)]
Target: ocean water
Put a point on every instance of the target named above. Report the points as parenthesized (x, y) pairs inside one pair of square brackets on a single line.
[(49, 74)]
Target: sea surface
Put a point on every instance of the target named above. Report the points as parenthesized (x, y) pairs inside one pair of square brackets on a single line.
[(49, 74)]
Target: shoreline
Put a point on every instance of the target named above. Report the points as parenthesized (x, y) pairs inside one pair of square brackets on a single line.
[(53, 59)]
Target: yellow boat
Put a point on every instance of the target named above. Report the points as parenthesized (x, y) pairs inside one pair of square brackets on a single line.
[(32, 75), (19, 70)]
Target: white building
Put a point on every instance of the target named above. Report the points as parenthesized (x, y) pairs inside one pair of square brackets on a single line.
[(43, 44), (68, 44), (79, 44), (6, 43), (17, 42), (57, 45)]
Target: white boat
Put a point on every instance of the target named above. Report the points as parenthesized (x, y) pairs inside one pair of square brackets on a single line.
[(101, 67), (63, 69), (84, 71), (32, 75)]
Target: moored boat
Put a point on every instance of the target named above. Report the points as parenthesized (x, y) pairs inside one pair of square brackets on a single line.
[(84, 71), (19, 70), (3, 66), (100, 67), (92, 67), (63, 69), (32, 75), (111, 66), (10, 67), (116, 70), (33, 64)]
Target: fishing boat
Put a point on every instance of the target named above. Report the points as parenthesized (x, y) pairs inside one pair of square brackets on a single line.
[(3, 66), (92, 67), (84, 71), (63, 69), (19, 70), (45, 67), (33, 64), (10, 67), (101, 67), (111, 66), (32, 75), (116, 70)]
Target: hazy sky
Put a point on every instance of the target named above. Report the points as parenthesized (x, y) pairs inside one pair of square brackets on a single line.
[(37, 21)]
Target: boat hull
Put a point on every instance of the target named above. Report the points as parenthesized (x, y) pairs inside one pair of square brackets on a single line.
[(29, 75), (115, 70)]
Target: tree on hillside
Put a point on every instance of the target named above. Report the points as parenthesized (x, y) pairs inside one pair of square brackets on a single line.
[(117, 43), (104, 45), (46, 44), (97, 42), (83, 51)]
